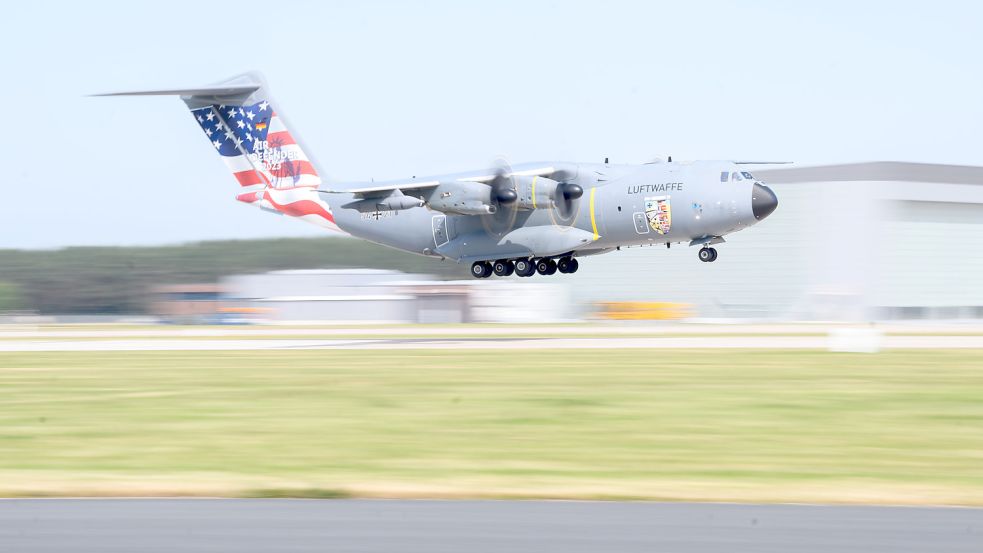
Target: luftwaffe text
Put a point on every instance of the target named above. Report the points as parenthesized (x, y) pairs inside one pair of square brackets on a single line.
[(650, 188)]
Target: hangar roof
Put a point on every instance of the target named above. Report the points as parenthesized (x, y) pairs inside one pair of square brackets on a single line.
[(900, 171)]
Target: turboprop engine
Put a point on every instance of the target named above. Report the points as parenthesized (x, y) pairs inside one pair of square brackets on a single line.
[(465, 198), (544, 193)]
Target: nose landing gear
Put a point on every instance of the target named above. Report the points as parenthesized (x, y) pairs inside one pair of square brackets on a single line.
[(708, 255)]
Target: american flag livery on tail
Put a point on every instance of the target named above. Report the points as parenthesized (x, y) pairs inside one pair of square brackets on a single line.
[(253, 140)]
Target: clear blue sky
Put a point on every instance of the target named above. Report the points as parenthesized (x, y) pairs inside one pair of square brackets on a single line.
[(391, 89)]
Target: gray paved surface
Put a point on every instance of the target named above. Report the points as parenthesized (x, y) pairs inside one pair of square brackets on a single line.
[(608, 342), (241, 526)]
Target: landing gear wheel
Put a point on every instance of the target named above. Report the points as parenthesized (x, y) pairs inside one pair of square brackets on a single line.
[(481, 269), (546, 267), (713, 252), (708, 255), (503, 267), (524, 267), (568, 265)]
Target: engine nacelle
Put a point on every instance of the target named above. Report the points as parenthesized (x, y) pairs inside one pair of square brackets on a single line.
[(535, 192), (465, 198)]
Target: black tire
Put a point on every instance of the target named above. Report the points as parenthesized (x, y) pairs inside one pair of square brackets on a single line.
[(481, 269), (524, 267), (713, 255), (705, 255), (543, 266), (501, 268), (567, 265), (552, 267)]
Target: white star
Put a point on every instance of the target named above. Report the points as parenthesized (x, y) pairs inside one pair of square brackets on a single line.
[(264, 105), (228, 134), (249, 137), (250, 115), (248, 126), (217, 144), (200, 120), (209, 132), (238, 142), (240, 123), (210, 116), (241, 111), (232, 112)]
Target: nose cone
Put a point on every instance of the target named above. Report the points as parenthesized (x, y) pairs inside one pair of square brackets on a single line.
[(763, 201)]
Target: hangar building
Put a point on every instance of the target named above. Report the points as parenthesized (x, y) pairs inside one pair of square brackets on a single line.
[(858, 241)]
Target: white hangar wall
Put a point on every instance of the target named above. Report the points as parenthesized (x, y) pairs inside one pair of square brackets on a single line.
[(848, 242)]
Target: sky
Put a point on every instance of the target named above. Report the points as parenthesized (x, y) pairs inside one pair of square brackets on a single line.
[(393, 89)]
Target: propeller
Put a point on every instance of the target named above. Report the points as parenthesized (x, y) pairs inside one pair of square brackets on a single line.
[(565, 198), (502, 187), (503, 198)]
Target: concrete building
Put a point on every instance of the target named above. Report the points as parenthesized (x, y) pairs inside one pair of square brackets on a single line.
[(860, 241), (379, 296)]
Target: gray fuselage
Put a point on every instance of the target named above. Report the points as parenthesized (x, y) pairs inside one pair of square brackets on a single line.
[(621, 205)]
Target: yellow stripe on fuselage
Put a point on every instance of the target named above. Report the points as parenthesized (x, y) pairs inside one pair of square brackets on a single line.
[(534, 192), (593, 218)]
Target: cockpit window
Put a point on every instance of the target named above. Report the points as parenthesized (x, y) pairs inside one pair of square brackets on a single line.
[(736, 177), (724, 177), (747, 175)]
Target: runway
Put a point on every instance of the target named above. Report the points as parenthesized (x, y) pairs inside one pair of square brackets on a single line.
[(494, 342), (376, 526)]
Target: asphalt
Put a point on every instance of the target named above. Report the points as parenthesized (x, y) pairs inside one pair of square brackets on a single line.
[(606, 342), (265, 525)]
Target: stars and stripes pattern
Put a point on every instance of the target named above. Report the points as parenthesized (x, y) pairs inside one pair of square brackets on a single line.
[(262, 155)]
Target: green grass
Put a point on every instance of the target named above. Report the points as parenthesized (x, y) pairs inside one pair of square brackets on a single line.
[(898, 427)]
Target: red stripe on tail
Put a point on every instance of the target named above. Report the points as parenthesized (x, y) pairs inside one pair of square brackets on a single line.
[(300, 208), (248, 178)]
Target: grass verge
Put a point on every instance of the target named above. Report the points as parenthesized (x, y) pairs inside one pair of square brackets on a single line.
[(897, 427)]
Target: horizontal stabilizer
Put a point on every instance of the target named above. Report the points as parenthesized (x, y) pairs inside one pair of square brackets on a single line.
[(217, 90)]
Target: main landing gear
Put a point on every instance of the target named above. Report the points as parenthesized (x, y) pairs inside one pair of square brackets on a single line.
[(524, 267), (708, 254)]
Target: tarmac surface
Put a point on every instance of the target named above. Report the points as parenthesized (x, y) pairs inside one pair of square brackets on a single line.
[(376, 526), (458, 343), (578, 336)]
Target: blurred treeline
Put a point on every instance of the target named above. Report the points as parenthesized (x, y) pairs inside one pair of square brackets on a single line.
[(117, 280)]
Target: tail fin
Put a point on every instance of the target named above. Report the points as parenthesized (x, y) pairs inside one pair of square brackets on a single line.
[(254, 141)]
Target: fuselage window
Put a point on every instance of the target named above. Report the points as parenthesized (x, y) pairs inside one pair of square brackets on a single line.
[(724, 176)]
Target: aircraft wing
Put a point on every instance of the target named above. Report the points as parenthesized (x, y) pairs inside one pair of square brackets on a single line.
[(385, 190)]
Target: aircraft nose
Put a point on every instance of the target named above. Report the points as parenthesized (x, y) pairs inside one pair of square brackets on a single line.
[(763, 201)]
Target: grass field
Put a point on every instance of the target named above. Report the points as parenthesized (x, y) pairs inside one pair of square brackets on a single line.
[(902, 427)]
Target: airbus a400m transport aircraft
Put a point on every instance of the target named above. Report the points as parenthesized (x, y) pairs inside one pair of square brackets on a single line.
[(534, 217)]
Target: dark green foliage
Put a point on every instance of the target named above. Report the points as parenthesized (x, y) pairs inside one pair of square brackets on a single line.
[(118, 279)]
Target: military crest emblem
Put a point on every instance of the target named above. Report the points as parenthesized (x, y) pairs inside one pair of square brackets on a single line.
[(659, 213)]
